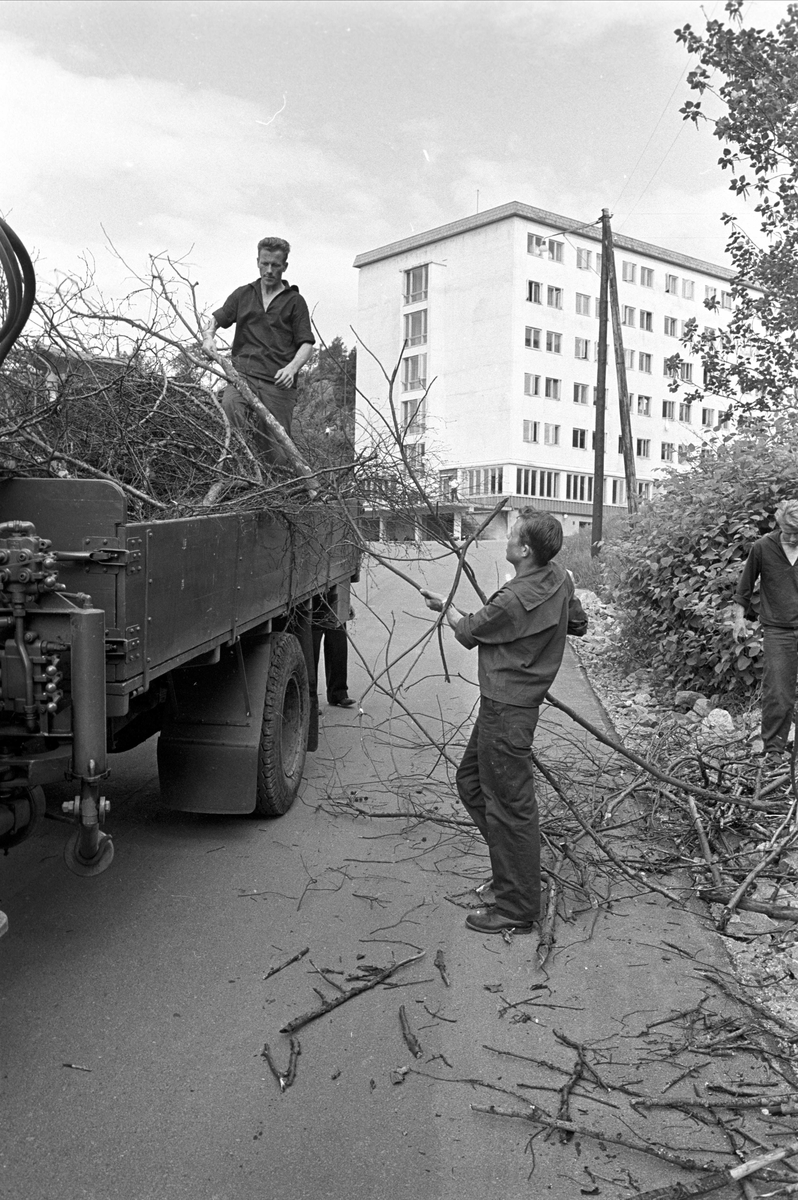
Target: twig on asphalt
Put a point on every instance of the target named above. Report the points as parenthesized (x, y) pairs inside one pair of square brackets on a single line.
[(287, 963), (287, 1078), (440, 963), (412, 1042), (329, 1005)]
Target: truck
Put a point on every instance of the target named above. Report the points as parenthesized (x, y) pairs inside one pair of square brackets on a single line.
[(113, 630), (197, 630)]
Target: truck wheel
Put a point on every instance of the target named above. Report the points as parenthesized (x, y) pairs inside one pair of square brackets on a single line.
[(284, 734)]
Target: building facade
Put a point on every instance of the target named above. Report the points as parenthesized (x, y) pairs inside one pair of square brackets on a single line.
[(498, 317)]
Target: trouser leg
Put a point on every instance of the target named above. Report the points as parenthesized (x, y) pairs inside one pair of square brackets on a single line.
[(279, 403), (778, 685), (317, 634), (496, 785), (336, 662)]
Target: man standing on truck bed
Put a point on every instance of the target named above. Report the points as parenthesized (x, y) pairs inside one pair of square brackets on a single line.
[(273, 341)]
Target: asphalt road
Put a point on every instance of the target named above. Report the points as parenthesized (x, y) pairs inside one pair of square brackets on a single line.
[(135, 1009)]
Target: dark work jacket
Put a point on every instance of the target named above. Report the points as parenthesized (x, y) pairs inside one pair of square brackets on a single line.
[(265, 341), (521, 634), (778, 583)]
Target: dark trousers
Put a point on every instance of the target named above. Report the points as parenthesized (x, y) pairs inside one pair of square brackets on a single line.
[(280, 403), (496, 786), (778, 685), (336, 658)]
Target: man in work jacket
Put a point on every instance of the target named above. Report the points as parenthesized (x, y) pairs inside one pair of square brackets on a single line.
[(773, 560), (520, 638), (273, 341)]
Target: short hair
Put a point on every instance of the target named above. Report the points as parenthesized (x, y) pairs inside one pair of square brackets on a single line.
[(275, 244), (787, 514), (542, 532)]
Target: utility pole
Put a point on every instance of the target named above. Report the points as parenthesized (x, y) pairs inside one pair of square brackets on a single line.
[(620, 365), (597, 527)]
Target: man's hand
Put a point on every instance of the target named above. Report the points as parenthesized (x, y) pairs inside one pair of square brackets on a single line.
[(739, 625), (285, 377), (209, 344), (434, 601)]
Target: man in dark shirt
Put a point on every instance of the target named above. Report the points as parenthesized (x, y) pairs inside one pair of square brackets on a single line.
[(273, 341), (520, 635), (773, 560)]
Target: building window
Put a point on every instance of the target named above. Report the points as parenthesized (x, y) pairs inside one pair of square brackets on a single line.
[(671, 284), (579, 439), (644, 490), (551, 435), (531, 384), (711, 294), (581, 348), (628, 272), (414, 373), (707, 417), (533, 291), (628, 316), (620, 444), (618, 491), (583, 258), (666, 453), (554, 297), (725, 299), (686, 372), (487, 481), (532, 338), (646, 320), (644, 363), (416, 327), (555, 251), (629, 359), (531, 431), (644, 406), (669, 409), (582, 304), (644, 448), (579, 487), (553, 342), (416, 282), (413, 416), (553, 387), (646, 277), (668, 369), (683, 451), (535, 244), (529, 482), (580, 393), (688, 289), (671, 327), (685, 412), (415, 454)]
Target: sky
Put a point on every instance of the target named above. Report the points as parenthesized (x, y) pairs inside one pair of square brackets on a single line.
[(194, 129)]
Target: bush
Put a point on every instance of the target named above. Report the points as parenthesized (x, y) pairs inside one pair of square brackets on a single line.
[(674, 569)]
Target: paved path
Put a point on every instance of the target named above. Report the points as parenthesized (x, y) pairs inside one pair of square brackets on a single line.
[(152, 977)]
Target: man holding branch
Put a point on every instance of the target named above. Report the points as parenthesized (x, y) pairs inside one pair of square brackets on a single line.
[(520, 639), (273, 341)]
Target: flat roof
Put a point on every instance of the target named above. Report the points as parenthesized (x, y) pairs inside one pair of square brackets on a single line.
[(540, 215)]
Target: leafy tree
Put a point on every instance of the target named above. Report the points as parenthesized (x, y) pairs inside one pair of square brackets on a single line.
[(675, 568), (754, 74)]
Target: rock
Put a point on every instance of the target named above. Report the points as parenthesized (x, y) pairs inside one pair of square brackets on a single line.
[(717, 726), (685, 700), (643, 698), (702, 707)]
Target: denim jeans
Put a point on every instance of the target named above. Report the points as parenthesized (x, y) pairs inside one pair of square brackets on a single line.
[(495, 784), (778, 685)]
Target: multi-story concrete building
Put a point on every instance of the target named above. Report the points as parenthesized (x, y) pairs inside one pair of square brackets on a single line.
[(496, 387)]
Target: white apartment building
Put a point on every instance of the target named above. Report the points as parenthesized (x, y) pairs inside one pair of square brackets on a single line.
[(496, 387)]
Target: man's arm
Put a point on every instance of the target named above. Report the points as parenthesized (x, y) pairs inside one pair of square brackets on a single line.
[(436, 603), (208, 331), (745, 590), (286, 376)]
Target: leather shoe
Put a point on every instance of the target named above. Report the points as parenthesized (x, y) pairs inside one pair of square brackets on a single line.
[(347, 702), (488, 920)]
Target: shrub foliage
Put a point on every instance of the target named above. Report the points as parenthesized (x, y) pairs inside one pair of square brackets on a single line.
[(675, 567)]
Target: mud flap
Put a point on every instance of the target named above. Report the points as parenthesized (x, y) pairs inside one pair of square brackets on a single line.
[(209, 744)]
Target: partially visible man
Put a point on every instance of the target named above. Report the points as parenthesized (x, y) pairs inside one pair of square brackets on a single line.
[(273, 341), (520, 638), (773, 560)]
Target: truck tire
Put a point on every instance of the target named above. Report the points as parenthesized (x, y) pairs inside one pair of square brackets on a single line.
[(284, 733)]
